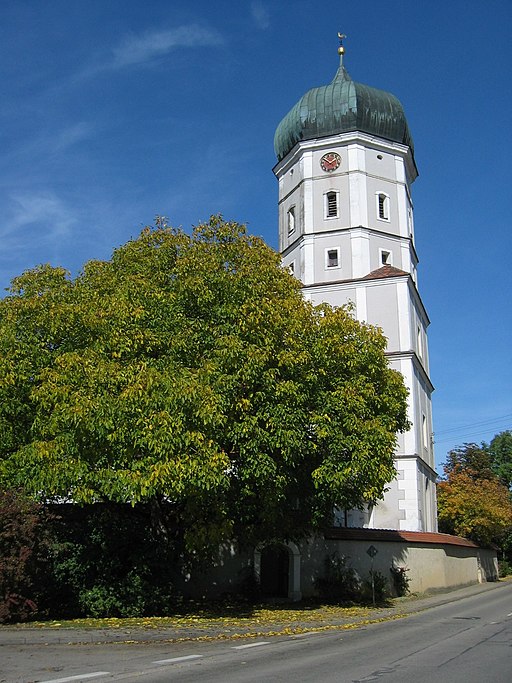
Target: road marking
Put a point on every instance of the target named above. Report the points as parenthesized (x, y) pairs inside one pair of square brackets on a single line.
[(307, 633), (509, 615), (78, 678), (245, 647), (177, 659)]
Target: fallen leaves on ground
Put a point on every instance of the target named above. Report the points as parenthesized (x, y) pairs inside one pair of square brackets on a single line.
[(257, 618)]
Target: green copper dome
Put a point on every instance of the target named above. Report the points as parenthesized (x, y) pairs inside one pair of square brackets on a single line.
[(341, 107)]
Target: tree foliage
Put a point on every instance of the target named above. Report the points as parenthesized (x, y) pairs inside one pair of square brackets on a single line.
[(189, 369), (107, 562), (472, 458), (472, 502), (500, 451)]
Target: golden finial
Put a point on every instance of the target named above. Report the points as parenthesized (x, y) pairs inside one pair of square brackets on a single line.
[(341, 49)]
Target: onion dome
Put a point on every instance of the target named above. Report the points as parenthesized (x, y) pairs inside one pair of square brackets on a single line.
[(341, 107)]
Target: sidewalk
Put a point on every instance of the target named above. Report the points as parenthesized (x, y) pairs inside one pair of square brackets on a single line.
[(26, 635)]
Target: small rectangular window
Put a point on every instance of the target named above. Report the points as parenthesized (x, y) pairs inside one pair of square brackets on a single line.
[(331, 205), (385, 257), (332, 258)]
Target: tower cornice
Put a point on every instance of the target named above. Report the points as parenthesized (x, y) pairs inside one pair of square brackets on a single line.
[(326, 143)]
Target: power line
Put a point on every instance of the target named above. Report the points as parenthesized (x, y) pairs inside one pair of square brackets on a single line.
[(475, 424), (454, 438)]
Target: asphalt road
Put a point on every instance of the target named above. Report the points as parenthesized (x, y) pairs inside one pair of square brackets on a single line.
[(467, 640)]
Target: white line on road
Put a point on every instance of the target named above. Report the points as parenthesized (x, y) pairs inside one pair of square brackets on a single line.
[(80, 677), (245, 647), (509, 615), (307, 633), (177, 659)]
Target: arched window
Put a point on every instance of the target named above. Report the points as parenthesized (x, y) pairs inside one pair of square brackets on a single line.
[(291, 220), (383, 206), (419, 342), (424, 432)]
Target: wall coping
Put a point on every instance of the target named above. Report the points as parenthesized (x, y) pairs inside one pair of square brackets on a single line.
[(392, 535)]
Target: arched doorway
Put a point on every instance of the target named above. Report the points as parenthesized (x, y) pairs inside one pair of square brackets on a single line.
[(277, 568), (274, 571)]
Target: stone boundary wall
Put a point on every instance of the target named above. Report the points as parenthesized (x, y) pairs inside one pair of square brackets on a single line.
[(434, 561)]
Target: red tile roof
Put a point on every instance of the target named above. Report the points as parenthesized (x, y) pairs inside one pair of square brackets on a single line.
[(431, 538), (384, 271)]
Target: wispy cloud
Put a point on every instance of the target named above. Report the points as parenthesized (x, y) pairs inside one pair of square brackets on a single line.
[(71, 135), (37, 227), (42, 148), (260, 14), (32, 209), (138, 49)]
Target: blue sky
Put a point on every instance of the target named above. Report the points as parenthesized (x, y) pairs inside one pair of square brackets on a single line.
[(114, 111)]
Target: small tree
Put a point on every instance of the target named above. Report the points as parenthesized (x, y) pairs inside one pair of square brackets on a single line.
[(24, 552)]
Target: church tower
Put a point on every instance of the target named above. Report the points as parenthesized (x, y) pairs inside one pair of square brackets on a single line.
[(346, 230)]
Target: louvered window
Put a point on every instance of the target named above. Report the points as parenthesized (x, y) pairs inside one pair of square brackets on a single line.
[(331, 205)]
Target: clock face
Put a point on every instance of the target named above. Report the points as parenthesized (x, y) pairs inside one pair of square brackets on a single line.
[(330, 161)]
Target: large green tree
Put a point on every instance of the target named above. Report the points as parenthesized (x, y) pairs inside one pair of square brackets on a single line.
[(188, 369)]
